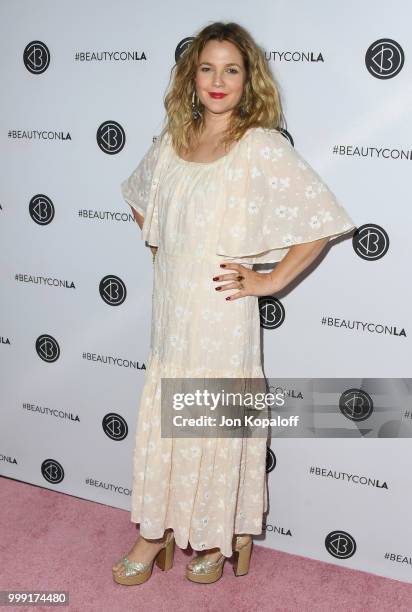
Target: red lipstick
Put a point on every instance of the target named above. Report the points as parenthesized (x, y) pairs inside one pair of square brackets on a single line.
[(216, 94)]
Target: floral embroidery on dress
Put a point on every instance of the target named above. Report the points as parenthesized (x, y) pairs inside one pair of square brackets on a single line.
[(281, 200), (250, 207)]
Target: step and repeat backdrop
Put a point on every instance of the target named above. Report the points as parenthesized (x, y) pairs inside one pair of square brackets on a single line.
[(83, 90)]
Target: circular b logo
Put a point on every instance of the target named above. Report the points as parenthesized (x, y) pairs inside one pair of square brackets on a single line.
[(272, 312), (356, 404), (41, 209), (47, 348), (111, 137), (52, 471), (112, 290), (340, 544), (384, 58), (36, 57), (115, 426), (370, 241)]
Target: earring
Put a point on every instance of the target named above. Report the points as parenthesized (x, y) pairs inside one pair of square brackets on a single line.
[(242, 112), (195, 109)]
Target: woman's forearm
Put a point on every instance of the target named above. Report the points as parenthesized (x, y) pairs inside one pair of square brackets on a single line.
[(297, 259)]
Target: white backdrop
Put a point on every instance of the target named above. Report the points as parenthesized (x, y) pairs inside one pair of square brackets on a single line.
[(83, 88)]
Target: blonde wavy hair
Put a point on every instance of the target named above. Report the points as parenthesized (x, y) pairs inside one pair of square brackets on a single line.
[(260, 103)]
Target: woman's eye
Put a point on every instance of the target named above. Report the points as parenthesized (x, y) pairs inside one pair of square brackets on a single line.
[(206, 68)]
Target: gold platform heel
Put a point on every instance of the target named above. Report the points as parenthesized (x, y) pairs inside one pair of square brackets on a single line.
[(137, 572), (164, 559), (205, 571), (243, 551)]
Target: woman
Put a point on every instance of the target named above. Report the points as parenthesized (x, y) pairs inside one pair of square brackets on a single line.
[(221, 186)]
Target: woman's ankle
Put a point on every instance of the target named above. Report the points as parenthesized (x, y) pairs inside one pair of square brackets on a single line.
[(157, 540)]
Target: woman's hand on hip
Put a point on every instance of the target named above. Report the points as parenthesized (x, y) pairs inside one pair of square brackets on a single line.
[(248, 282)]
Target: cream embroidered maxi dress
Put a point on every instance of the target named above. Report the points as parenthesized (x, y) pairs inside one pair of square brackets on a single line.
[(248, 206)]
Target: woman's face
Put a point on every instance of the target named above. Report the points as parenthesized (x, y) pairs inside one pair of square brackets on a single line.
[(220, 71)]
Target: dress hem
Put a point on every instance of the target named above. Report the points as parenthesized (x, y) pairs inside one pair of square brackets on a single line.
[(182, 546)]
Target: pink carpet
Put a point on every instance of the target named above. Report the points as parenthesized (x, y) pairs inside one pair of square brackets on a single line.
[(54, 541)]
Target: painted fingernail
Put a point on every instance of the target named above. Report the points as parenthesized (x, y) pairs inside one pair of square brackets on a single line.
[(215, 278), (223, 265), (218, 288), (228, 298)]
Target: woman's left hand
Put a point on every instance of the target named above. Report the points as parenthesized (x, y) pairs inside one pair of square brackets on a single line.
[(247, 281)]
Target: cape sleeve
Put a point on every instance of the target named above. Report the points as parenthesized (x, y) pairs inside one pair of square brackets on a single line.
[(136, 188), (275, 200)]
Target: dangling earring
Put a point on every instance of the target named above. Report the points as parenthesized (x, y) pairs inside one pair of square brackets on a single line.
[(196, 114), (242, 112), (242, 109)]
